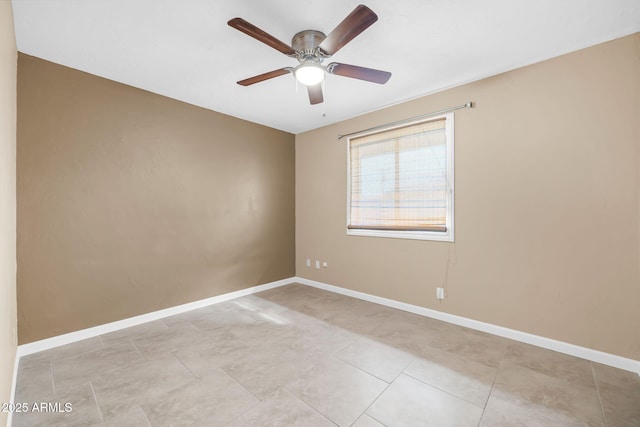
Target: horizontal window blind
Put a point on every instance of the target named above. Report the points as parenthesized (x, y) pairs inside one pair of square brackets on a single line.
[(399, 178)]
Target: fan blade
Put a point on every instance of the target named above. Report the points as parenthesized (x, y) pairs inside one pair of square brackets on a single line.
[(265, 76), (255, 32), (361, 73), (315, 94), (359, 20)]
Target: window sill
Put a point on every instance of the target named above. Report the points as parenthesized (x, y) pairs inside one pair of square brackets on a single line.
[(413, 235)]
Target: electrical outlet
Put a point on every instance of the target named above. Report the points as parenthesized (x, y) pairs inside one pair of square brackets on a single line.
[(318, 264), (440, 293), (325, 264), (308, 262)]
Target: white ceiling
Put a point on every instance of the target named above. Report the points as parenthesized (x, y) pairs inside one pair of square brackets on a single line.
[(185, 50)]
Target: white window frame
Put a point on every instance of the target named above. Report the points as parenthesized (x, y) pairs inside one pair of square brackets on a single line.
[(444, 236)]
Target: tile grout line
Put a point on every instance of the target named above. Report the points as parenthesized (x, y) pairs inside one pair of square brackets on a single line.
[(375, 400), (236, 417), (133, 343), (145, 416), (309, 404), (440, 389), (185, 366), (53, 383), (164, 323), (95, 399), (370, 416), (492, 385), (345, 346), (243, 387), (190, 323), (363, 371), (381, 393), (595, 381), (317, 411)]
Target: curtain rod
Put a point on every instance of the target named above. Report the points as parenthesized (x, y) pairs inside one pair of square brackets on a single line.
[(412, 119)]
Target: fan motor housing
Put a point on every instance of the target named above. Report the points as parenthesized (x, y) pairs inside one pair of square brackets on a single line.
[(306, 43)]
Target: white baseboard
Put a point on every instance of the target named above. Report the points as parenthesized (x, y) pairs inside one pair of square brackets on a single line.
[(57, 341), (548, 343), (562, 347)]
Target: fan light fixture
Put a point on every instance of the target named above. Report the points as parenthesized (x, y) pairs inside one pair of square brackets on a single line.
[(309, 73)]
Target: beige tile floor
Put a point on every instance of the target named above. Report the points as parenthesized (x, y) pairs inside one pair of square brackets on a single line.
[(299, 356)]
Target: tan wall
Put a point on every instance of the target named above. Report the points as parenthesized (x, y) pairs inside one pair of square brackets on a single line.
[(129, 202), (8, 343), (547, 204)]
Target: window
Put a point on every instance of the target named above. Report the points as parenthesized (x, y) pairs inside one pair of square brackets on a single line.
[(401, 181)]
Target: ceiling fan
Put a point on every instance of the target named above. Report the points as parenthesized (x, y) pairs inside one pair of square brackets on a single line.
[(311, 48)]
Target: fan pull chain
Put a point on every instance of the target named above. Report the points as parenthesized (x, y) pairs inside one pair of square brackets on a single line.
[(324, 104)]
